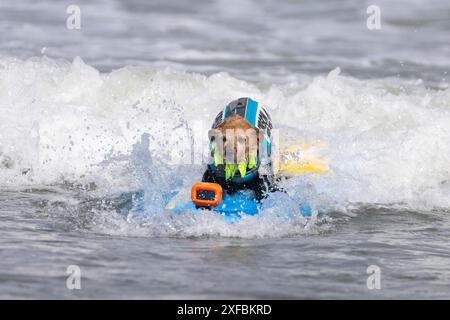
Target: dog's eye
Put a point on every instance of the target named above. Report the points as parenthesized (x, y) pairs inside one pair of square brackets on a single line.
[(224, 139)]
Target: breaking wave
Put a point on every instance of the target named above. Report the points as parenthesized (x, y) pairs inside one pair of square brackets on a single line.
[(387, 141)]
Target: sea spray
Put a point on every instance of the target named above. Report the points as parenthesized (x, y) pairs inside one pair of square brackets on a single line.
[(387, 140)]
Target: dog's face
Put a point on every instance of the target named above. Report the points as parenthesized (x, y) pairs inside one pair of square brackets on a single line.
[(237, 140)]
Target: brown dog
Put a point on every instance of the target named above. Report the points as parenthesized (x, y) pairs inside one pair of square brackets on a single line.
[(236, 139), (240, 144)]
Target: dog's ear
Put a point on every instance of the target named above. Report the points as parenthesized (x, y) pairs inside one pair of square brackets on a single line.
[(234, 122), (214, 134)]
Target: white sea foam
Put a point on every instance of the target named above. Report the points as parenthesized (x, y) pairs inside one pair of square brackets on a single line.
[(387, 140)]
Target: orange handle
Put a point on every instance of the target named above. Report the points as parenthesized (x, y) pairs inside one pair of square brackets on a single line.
[(206, 186)]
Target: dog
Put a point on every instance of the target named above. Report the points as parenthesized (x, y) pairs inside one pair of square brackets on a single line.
[(240, 143)]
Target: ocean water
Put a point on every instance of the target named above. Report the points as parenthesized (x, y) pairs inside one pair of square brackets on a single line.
[(93, 117)]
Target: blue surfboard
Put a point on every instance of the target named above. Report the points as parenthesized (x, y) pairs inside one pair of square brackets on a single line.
[(232, 207)]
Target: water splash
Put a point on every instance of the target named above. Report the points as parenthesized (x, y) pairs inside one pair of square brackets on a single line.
[(387, 140)]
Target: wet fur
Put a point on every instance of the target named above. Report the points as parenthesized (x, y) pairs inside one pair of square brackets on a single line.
[(238, 123)]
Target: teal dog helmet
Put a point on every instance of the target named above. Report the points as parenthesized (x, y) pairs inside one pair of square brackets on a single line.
[(258, 117)]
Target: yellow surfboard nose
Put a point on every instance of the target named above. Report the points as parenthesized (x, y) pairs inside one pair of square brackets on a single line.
[(299, 157)]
